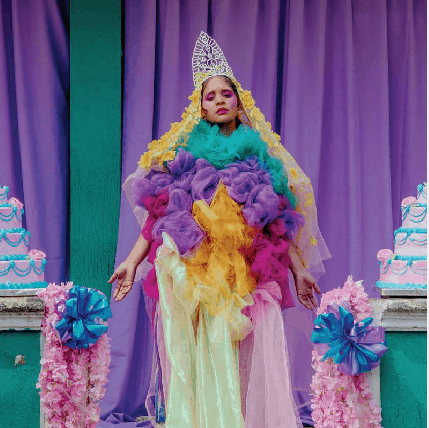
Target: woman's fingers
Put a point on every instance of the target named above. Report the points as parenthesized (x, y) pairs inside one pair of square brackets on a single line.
[(122, 290), (317, 289), (120, 271), (125, 275), (112, 278), (305, 285)]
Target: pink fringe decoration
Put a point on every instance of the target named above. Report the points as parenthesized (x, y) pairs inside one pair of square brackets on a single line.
[(339, 400), (71, 381)]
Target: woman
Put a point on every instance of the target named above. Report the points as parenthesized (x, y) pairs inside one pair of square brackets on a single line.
[(222, 228)]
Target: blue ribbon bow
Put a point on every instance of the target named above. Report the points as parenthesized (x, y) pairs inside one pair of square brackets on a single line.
[(82, 315), (356, 347)]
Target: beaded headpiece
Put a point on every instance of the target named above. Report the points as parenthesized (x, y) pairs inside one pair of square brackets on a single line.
[(208, 60)]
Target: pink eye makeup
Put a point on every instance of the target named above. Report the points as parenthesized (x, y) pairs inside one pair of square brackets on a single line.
[(226, 93)]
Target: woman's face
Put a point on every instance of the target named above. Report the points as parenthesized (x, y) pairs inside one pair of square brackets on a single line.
[(219, 103)]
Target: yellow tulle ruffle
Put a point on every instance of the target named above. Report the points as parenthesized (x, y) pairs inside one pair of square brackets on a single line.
[(219, 264)]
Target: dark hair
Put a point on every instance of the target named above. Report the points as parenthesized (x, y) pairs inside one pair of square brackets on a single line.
[(231, 84)]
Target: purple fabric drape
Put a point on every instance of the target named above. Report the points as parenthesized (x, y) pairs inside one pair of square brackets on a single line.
[(344, 83), (34, 124)]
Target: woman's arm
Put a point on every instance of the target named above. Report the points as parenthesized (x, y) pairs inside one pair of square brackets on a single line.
[(304, 282), (126, 271)]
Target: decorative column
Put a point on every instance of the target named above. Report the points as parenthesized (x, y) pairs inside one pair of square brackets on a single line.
[(399, 383)]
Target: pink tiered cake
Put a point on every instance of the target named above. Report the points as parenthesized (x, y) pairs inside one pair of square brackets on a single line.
[(20, 269), (407, 268)]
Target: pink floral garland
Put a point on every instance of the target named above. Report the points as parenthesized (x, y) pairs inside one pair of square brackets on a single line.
[(71, 381), (339, 400)]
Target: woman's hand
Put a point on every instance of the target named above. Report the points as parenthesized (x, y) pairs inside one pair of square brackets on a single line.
[(305, 283), (125, 274), (126, 271)]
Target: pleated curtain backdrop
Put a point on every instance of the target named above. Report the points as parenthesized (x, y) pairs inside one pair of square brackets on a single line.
[(342, 82), (34, 122)]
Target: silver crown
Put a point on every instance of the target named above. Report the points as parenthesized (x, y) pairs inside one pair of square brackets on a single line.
[(208, 60)]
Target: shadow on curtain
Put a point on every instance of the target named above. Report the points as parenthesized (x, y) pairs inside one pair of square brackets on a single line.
[(34, 122), (341, 81)]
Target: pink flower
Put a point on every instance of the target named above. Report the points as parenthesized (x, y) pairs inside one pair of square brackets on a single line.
[(36, 254), (16, 202), (408, 201), (335, 395), (71, 381), (384, 255)]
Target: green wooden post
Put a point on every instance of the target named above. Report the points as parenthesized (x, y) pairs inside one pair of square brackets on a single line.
[(403, 375), (20, 403), (95, 139)]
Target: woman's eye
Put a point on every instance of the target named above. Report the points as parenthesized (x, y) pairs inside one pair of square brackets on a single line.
[(227, 95)]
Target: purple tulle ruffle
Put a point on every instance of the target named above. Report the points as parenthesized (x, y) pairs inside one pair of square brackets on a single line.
[(205, 181), (182, 227), (262, 206), (152, 185)]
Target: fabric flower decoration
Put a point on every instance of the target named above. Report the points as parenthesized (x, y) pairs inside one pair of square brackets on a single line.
[(242, 185), (183, 162), (161, 180), (81, 325), (205, 181), (156, 205), (261, 206), (179, 200), (152, 185), (182, 228), (36, 255), (384, 255), (291, 219), (16, 202), (182, 169), (408, 201), (355, 347)]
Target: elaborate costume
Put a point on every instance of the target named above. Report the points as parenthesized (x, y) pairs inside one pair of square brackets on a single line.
[(219, 213)]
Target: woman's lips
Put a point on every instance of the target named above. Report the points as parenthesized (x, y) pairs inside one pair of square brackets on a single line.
[(222, 111)]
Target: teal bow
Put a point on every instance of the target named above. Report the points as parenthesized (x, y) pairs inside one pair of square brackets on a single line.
[(81, 317), (356, 347)]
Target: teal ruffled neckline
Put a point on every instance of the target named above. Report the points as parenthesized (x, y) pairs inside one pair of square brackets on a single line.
[(206, 141)]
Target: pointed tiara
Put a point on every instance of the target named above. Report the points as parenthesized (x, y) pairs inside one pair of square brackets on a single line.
[(208, 60)]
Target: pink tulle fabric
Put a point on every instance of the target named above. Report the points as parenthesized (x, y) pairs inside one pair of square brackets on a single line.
[(269, 261), (266, 390), (156, 206)]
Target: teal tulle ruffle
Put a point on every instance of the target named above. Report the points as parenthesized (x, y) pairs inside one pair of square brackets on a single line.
[(207, 142)]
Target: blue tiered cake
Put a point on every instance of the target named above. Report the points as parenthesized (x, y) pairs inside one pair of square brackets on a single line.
[(21, 271), (405, 271)]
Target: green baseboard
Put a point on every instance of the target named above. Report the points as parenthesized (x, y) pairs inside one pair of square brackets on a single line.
[(403, 379), (19, 398)]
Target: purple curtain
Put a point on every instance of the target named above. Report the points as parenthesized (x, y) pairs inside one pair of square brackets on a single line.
[(343, 82), (34, 123)]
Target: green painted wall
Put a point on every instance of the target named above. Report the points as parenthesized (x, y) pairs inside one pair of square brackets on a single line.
[(19, 398), (403, 377), (95, 139)]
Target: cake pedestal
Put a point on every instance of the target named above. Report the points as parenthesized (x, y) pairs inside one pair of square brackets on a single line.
[(22, 292), (395, 292), (405, 321)]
